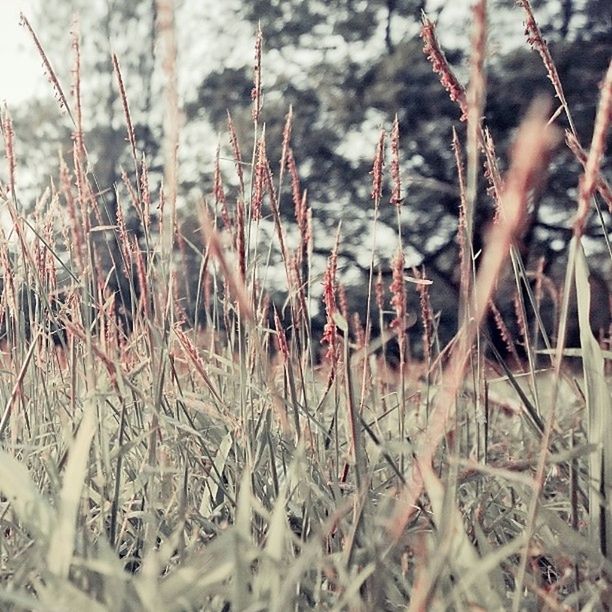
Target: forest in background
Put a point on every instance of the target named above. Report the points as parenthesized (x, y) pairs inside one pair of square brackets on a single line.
[(345, 68)]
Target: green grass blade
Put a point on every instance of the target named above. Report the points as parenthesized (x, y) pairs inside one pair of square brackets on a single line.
[(599, 416)]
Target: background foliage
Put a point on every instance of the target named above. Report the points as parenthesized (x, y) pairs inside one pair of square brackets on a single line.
[(345, 67)]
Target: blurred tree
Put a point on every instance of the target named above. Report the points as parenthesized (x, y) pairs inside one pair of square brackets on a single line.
[(365, 74), (346, 67)]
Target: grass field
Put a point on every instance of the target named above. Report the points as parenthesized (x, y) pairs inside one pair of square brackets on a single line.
[(147, 464)]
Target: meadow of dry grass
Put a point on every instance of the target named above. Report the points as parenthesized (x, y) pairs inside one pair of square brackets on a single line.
[(149, 465)]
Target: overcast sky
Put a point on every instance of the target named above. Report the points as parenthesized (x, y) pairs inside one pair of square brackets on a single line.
[(22, 75), (19, 65)]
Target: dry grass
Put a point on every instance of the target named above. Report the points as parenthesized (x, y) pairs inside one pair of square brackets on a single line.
[(148, 465)]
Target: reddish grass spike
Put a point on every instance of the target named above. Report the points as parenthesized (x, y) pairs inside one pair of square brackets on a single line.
[(236, 151), (309, 238), (207, 288), (588, 180), (461, 230), (299, 202), (539, 278), (377, 168), (396, 190), (260, 180), (358, 331), (124, 243), (398, 298), (496, 185), (329, 299), (145, 194), (9, 148), (240, 239), (85, 196), (9, 295), (286, 138), (280, 338), (74, 224), (426, 314), (306, 222), (57, 88), (4, 294), (126, 109), (76, 88), (125, 179), (264, 308), (440, 66), (520, 319), (256, 92), (190, 350), (295, 275), (269, 184), (537, 42), (343, 301), (219, 192)]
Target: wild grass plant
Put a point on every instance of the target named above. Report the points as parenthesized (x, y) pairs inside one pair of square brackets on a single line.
[(151, 464)]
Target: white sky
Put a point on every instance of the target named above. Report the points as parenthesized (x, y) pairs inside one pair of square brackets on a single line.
[(20, 68), (21, 74)]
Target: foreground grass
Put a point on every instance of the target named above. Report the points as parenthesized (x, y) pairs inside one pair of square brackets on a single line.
[(171, 468)]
